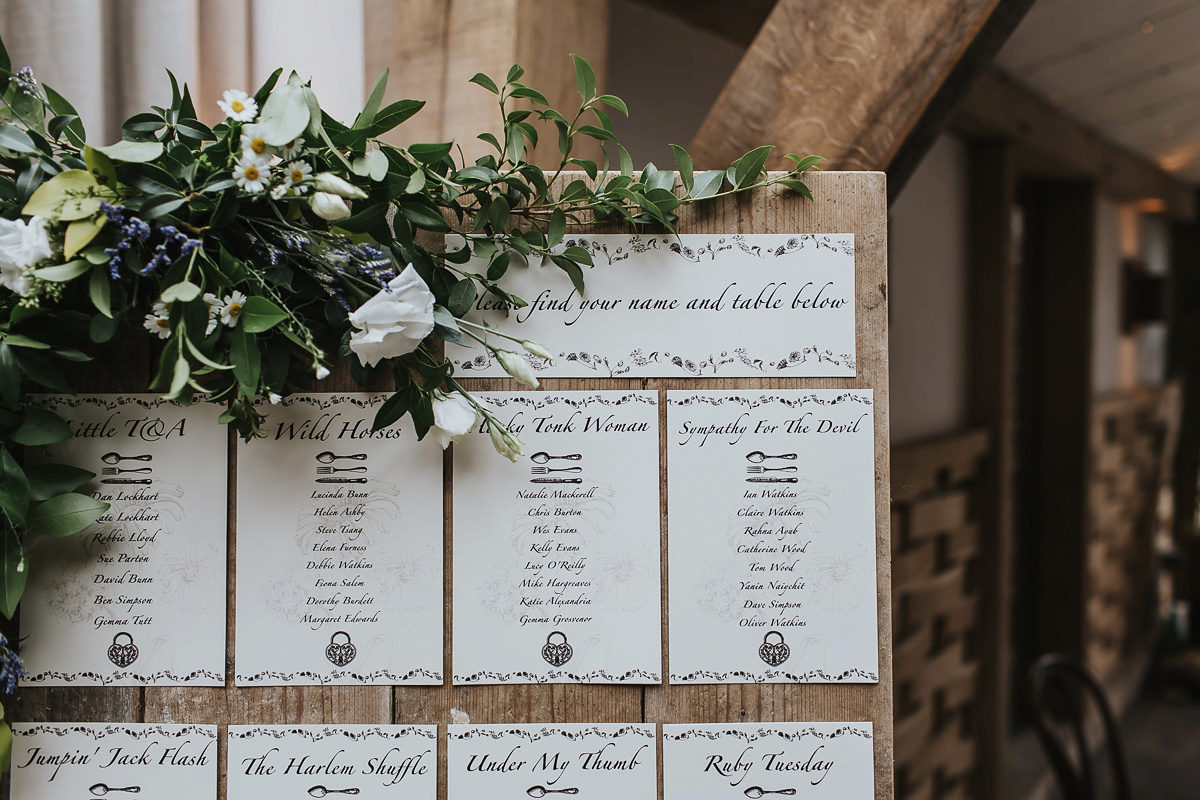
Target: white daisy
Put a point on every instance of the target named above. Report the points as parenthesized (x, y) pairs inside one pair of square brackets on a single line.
[(238, 106), (161, 309), (157, 324), (280, 191), (293, 148), (254, 144), (214, 311), (232, 310), (252, 177), (296, 172)]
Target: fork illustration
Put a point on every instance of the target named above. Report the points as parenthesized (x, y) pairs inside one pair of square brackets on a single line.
[(331, 470), (753, 470), (544, 470), (118, 470)]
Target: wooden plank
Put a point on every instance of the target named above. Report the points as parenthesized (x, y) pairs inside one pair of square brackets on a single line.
[(846, 81), (714, 16), (433, 47), (924, 467), (1052, 144)]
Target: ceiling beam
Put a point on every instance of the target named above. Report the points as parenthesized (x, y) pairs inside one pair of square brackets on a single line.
[(740, 24), (1051, 143), (854, 82)]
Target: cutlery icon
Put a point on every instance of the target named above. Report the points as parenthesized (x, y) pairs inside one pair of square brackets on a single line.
[(542, 791), (772, 480), (118, 471), (341, 480), (99, 789), (116, 458), (544, 470), (331, 470), (137, 481), (758, 791), (326, 457), (758, 456), (543, 457), (753, 470), (321, 791), (556, 480)]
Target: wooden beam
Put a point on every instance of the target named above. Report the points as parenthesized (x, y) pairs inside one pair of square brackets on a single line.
[(433, 47), (1052, 144), (715, 16), (850, 81)]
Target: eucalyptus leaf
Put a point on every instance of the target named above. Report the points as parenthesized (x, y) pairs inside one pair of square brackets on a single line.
[(63, 272), (13, 574), (41, 427), (65, 514), (132, 152), (284, 116), (48, 480)]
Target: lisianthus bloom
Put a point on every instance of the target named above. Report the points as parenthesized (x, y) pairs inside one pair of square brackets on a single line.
[(328, 182), (533, 348), (504, 442), (22, 244), (394, 321), (518, 367), (295, 172), (329, 206), (453, 416), (251, 176), (158, 324), (238, 106), (231, 311), (254, 145)]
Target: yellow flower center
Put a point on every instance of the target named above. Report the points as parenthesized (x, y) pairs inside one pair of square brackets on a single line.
[(297, 175), (291, 145), (251, 173), (238, 106), (258, 146), (234, 309), (162, 323)]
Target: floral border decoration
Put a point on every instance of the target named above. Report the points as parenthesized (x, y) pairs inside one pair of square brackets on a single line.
[(690, 366), (850, 675), (545, 732), (281, 732), (601, 676), (540, 400), (163, 677), (640, 243), (362, 400), (317, 679), (762, 733), (852, 396), (98, 733)]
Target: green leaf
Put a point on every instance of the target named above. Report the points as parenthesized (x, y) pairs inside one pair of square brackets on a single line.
[(5, 70), (63, 272), (750, 166), (486, 82), (80, 234), (71, 194), (393, 115), (796, 186), (10, 377), (612, 101), (499, 266), (683, 163), (429, 153), (41, 427), (185, 291), (49, 480), (572, 269), (374, 100), (39, 369), (13, 575), (461, 297), (132, 152), (585, 78), (60, 106), (179, 377), (424, 215), (100, 291), (802, 164), (100, 166), (558, 228), (6, 740), (65, 514), (708, 183), (102, 329), (246, 360), (194, 129), (260, 314), (284, 116), (626, 161), (17, 340), (390, 411), (16, 139), (14, 487)]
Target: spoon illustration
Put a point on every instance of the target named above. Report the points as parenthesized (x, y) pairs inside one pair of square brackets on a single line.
[(543, 457), (542, 791), (116, 458), (758, 791), (758, 456), (321, 791), (101, 789), (326, 457)]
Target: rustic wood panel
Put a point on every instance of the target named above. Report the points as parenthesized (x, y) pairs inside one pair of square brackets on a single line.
[(936, 551)]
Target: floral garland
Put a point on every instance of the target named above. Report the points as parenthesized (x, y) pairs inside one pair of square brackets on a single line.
[(258, 251)]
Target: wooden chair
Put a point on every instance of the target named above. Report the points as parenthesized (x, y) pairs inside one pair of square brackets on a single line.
[(1059, 686)]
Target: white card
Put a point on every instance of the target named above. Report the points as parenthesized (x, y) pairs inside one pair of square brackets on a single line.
[(697, 304), (138, 598), (339, 548), (370, 762), (556, 557), (771, 536), (818, 760), (83, 760), (516, 762)]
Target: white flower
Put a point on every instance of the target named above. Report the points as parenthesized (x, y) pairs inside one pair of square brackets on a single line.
[(504, 442), (453, 415), (518, 367), (533, 348), (158, 324), (328, 182), (231, 311), (250, 176), (214, 311), (329, 206), (279, 191), (22, 244), (160, 309), (322, 372), (238, 106), (293, 148), (274, 399), (294, 173), (254, 146), (394, 321)]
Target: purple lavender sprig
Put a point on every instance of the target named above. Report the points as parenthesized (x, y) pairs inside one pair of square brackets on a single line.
[(11, 668)]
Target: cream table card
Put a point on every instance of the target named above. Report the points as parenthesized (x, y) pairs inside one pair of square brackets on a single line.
[(370, 762), (771, 536), (339, 548), (556, 557), (99, 759), (816, 760), (697, 304), (585, 761), (138, 598)]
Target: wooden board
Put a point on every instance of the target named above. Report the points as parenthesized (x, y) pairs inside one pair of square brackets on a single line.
[(845, 203)]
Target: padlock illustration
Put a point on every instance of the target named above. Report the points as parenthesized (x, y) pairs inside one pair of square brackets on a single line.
[(122, 654), (340, 653), (557, 653), (774, 653)]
